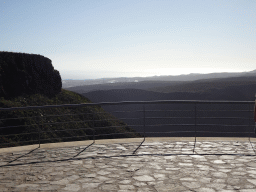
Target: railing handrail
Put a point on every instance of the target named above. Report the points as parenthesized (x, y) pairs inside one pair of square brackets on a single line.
[(131, 102), (195, 110)]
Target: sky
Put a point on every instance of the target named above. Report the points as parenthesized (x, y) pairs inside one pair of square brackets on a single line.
[(88, 39)]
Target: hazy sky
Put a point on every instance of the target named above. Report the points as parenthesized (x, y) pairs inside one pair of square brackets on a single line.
[(112, 38)]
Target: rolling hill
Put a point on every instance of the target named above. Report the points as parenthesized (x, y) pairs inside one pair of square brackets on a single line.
[(230, 89)]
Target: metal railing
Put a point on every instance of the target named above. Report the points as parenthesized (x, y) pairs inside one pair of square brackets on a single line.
[(175, 118)]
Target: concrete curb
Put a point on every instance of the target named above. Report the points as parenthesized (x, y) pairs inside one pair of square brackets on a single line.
[(126, 140)]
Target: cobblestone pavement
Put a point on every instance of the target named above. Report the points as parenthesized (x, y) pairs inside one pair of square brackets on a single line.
[(157, 166)]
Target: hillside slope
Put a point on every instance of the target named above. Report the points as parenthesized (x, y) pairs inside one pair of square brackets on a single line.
[(207, 85), (54, 123), (231, 89), (238, 92)]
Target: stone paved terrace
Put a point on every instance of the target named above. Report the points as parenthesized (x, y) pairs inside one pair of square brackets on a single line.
[(159, 165)]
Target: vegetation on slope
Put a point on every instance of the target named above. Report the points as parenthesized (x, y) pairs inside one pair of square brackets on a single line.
[(53, 123)]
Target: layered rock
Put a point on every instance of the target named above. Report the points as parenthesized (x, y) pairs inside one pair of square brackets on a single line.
[(22, 73)]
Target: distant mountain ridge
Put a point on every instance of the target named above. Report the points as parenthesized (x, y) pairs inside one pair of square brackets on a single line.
[(189, 77), (153, 83), (231, 88), (240, 88)]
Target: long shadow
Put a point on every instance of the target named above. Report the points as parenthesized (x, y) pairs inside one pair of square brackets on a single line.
[(24, 155), (251, 136), (138, 146), (132, 155), (84, 149), (252, 145), (144, 140), (43, 161)]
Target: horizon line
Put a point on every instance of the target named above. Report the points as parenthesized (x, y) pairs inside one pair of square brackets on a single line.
[(103, 78)]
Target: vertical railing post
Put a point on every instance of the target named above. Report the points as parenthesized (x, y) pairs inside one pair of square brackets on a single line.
[(195, 121), (254, 124), (39, 139), (144, 121), (254, 114), (144, 125), (195, 128), (249, 122), (39, 129), (93, 126)]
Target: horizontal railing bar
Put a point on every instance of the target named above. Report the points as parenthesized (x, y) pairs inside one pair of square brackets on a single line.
[(228, 110), (24, 117), (87, 136), (19, 126), (224, 118), (124, 133), (169, 117), (241, 125), (180, 110), (110, 127), (85, 128), (131, 102), (70, 114), (171, 125), (41, 116), (54, 123), (172, 132), (130, 118), (19, 142), (126, 111), (196, 110), (222, 132), (63, 122), (225, 125), (62, 130), (198, 132), (67, 137), (136, 125), (198, 118), (114, 134), (20, 118), (200, 125), (20, 134), (149, 111)]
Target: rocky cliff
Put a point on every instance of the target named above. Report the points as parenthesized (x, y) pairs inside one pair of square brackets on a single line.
[(22, 73)]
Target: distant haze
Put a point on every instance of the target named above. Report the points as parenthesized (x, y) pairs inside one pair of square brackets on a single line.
[(81, 75)]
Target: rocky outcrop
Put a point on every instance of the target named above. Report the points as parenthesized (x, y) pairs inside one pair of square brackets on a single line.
[(22, 73)]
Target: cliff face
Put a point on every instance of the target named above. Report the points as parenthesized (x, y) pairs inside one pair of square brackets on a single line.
[(22, 73)]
